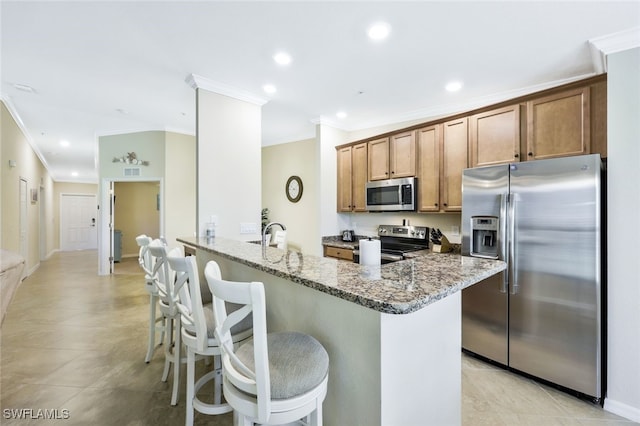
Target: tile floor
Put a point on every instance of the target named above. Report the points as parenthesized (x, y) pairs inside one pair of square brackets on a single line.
[(75, 341)]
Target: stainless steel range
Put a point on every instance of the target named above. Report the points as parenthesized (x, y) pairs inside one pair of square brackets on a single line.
[(396, 241)]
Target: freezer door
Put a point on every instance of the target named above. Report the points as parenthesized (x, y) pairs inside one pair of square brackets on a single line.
[(485, 304), (555, 300), (484, 319)]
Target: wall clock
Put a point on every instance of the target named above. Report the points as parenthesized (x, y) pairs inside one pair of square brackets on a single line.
[(293, 189)]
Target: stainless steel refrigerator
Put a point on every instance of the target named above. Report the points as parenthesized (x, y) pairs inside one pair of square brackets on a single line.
[(544, 315)]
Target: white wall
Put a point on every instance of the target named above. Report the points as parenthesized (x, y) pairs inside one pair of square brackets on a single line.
[(229, 164), (623, 124), (327, 138), (279, 162)]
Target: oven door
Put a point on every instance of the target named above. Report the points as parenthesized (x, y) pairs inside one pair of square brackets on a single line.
[(384, 257)]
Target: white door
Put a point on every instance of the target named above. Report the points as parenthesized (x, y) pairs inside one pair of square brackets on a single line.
[(78, 215), (24, 219)]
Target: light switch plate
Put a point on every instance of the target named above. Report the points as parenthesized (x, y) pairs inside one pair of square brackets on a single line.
[(455, 230), (248, 228)]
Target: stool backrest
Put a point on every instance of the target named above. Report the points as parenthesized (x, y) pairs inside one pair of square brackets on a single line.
[(163, 275), (254, 381), (144, 257), (189, 304)]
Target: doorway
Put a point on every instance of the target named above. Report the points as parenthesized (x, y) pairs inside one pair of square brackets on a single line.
[(132, 206), (24, 221), (136, 211)]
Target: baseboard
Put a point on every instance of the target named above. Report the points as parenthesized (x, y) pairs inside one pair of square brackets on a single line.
[(32, 270), (622, 409), (51, 253)]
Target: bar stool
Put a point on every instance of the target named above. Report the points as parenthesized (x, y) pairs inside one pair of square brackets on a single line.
[(164, 278), (198, 332), (275, 378), (146, 263)]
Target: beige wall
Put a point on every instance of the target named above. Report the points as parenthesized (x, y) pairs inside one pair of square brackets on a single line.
[(180, 186), (148, 146), (136, 213), (229, 166), (279, 162), (16, 147)]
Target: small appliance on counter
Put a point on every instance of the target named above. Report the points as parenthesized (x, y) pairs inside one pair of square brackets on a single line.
[(348, 235)]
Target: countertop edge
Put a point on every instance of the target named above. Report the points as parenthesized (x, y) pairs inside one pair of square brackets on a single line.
[(362, 299)]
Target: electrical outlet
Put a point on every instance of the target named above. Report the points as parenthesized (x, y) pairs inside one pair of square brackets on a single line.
[(455, 230), (248, 228)]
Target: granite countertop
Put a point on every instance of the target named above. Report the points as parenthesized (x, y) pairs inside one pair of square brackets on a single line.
[(336, 241), (395, 288)]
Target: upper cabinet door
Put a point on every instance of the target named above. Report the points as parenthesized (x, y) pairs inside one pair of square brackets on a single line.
[(344, 169), (403, 155), (429, 142), (454, 161), (558, 125), (378, 154), (495, 136), (359, 177)]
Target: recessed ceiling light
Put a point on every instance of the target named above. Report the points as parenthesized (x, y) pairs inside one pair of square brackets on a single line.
[(282, 58), (379, 31), (64, 143), (74, 174), (269, 88), (122, 111), (453, 86), (341, 114)]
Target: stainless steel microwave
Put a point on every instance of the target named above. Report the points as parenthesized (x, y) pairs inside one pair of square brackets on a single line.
[(392, 195)]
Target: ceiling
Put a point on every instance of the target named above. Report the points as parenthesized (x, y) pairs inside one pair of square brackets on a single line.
[(103, 68)]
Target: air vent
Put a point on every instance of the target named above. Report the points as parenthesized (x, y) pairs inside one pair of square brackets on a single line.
[(131, 171)]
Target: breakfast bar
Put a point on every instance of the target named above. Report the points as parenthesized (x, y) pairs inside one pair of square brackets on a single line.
[(393, 332)]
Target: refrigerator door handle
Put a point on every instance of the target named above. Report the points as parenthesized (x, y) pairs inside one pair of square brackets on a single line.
[(513, 267), (504, 202)]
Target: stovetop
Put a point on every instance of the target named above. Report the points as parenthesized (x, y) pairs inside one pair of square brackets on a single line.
[(402, 239)]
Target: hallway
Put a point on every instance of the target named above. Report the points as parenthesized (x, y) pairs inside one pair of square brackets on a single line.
[(74, 342)]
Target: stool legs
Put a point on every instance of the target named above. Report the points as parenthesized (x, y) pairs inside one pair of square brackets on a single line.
[(176, 362), (154, 327)]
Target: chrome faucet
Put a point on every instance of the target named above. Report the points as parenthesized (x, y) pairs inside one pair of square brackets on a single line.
[(264, 236)]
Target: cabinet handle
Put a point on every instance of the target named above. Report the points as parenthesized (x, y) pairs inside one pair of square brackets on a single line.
[(435, 204), (516, 156), (530, 154), (445, 204)]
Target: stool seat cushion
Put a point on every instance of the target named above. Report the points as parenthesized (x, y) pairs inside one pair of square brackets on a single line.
[(297, 363)]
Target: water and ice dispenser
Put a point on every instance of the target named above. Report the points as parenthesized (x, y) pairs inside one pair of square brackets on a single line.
[(484, 236)]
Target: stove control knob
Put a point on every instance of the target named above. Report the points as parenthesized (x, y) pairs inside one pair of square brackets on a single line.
[(382, 231)]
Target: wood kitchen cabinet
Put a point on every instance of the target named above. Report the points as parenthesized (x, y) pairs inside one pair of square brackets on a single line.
[(378, 158), (494, 137), (338, 253), (352, 178), (392, 157), (429, 141), (558, 125), (454, 161)]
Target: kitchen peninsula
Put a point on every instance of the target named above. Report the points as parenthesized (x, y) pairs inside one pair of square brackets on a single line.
[(393, 333)]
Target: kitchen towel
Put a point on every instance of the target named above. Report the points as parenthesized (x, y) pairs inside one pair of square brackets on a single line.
[(369, 252)]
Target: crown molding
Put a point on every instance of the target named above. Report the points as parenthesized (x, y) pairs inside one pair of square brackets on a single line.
[(6, 99), (325, 121), (199, 82), (428, 114), (617, 42)]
